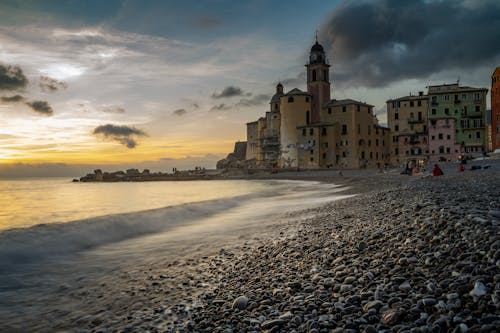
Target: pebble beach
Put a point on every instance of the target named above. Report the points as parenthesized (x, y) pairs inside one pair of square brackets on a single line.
[(405, 254)]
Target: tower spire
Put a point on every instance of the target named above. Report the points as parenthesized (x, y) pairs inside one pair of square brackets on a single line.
[(316, 36)]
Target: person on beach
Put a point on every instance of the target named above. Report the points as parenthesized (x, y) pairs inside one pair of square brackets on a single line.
[(461, 168), (437, 171)]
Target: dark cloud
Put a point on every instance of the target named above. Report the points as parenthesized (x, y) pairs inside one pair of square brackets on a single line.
[(122, 134), (205, 22), (377, 42), (41, 107), (12, 78), (256, 100), (180, 112), (112, 109), (300, 79), (12, 99), (230, 91), (220, 107), (48, 84)]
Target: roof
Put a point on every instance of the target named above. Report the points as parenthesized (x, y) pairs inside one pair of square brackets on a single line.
[(317, 47), (320, 124), (348, 101), (449, 88), (276, 97), (296, 91), (407, 98)]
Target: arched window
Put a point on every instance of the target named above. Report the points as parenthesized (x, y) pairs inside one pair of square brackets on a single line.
[(314, 75)]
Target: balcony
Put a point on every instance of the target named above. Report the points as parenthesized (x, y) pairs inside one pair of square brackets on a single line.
[(434, 103), (457, 101), (415, 121), (475, 114)]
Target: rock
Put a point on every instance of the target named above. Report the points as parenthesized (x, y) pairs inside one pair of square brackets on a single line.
[(240, 303), (478, 290), (392, 316), (269, 324), (372, 305)]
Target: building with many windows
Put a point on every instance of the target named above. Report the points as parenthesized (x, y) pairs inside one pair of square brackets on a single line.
[(495, 109), (316, 131)]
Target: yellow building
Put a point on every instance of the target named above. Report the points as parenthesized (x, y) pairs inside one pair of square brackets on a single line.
[(408, 122), (316, 131)]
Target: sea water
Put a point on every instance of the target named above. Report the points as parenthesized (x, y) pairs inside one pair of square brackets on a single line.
[(54, 232)]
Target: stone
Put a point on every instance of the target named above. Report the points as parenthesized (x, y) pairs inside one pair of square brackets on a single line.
[(240, 303)]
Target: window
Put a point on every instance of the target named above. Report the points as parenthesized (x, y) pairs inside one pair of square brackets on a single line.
[(376, 142), (478, 135), (323, 131), (433, 111), (329, 110), (369, 143), (406, 140), (441, 150), (343, 154), (456, 97), (433, 137), (290, 99), (396, 128), (308, 118), (464, 97), (478, 108), (359, 128), (324, 155), (448, 150), (396, 151), (446, 97), (369, 130), (477, 96), (440, 136), (314, 75), (419, 103), (344, 109), (303, 132), (448, 137), (396, 116), (307, 99), (395, 139), (311, 151), (311, 131), (447, 111), (344, 129), (325, 74), (358, 107), (412, 104), (371, 155)]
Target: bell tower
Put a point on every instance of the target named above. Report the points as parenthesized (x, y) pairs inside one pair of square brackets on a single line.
[(318, 80)]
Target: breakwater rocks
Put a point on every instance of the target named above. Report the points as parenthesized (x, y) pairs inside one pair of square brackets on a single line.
[(420, 257)]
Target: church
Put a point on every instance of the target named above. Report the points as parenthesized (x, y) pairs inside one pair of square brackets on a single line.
[(309, 130)]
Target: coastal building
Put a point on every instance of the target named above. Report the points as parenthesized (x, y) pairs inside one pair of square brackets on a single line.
[(466, 108), (495, 109), (407, 120), (316, 131)]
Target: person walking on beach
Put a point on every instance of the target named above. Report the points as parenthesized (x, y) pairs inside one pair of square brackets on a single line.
[(437, 171)]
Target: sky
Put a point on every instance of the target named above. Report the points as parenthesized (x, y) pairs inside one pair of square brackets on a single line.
[(161, 84)]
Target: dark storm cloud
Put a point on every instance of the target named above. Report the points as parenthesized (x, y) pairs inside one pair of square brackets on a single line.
[(220, 107), (49, 84), (12, 99), (230, 91), (377, 42), (41, 107), (12, 78), (122, 134), (254, 101), (180, 112)]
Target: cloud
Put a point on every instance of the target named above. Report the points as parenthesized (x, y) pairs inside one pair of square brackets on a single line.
[(254, 101), (12, 78), (206, 22), (112, 109), (120, 133), (300, 79), (12, 99), (378, 42), (220, 107), (180, 112), (41, 107), (229, 91), (48, 84)]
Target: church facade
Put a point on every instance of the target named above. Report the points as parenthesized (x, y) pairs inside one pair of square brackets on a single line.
[(309, 130)]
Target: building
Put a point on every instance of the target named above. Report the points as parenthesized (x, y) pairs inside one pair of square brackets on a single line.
[(407, 120), (495, 109), (466, 107), (316, 131)]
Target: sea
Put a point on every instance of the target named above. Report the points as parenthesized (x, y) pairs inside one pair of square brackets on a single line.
[(55, 233)]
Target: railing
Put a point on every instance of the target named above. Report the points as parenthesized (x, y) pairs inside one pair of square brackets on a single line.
[(434, 103), (415, 121), (457, 101)]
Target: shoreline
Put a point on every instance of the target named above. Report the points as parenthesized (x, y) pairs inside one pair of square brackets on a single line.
[(342, 266)]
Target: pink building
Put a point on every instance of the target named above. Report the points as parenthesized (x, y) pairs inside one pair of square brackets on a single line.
[(442, 140)]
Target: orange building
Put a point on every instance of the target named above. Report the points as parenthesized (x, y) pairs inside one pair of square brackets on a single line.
[(495, 109)]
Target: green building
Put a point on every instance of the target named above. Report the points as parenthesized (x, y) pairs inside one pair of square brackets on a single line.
[(466, 108)]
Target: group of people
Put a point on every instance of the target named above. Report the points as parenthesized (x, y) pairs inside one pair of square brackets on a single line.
[(420, 170)]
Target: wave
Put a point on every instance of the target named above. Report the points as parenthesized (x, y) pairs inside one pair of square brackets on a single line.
[(23, 246)]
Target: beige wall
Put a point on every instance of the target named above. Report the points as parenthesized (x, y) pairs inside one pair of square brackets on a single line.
[(317, 146), (293, 114), (252, 140)]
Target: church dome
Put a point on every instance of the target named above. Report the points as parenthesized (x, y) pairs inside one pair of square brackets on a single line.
[(317, 47)]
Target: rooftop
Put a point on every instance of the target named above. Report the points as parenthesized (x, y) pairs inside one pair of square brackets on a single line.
[(348, 101)]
